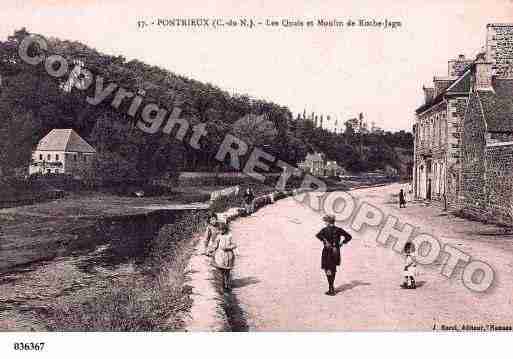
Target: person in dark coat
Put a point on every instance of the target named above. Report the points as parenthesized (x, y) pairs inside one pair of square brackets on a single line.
[(248, 198), (402, 200), (330, 258)]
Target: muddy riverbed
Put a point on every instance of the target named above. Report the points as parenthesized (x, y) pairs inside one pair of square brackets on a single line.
[(47, 262)]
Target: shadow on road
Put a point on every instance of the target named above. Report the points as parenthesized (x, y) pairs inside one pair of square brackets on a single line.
[(236, 318), (349, 286), (243, 282), (420, 283)]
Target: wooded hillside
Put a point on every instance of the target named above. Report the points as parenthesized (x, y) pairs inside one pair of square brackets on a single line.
[(32, 103)]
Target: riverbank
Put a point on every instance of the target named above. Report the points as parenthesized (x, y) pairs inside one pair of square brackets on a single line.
[(93, 261), (63, 261)]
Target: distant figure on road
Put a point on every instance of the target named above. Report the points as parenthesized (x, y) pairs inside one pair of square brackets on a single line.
[(248, 197), (409, 267), (402, 199), (330, 258), (224, 256), (211, 232)]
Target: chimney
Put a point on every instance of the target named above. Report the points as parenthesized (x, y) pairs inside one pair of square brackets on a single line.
[(428, 94), (483, 73), (458, 65)]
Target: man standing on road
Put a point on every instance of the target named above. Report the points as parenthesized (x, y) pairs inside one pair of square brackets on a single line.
[(402, 199), (330, 258)]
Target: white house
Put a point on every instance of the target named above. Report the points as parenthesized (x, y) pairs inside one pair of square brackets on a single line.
[(62, 151)]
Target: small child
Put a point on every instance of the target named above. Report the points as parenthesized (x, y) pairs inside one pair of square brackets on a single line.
[(224, 256), (211, 232), (410, 267)]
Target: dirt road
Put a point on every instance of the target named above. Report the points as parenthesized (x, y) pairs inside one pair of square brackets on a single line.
[(280, 286)]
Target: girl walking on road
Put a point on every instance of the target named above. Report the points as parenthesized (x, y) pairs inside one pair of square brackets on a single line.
[(330, 257), (211, 232), (224, 256)]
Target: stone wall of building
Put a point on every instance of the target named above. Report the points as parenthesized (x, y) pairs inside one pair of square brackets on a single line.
[(78, 164), (456, 113), (473, 165), (499, 182), (455, 116), (499, 48), (492, 138)]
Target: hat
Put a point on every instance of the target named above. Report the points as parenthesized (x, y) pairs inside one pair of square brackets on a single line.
[(409, 246), (223, 226), (329, 218)]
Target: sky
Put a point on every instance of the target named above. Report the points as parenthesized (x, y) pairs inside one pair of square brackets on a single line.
[(335, 71)]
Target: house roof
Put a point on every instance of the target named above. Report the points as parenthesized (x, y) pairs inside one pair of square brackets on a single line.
[(314, 157), (461, 85), (497, 106), (64, 140), (442, 83)]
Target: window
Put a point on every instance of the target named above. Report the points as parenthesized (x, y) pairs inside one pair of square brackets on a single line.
[(40, 157), (48, 157), (74, 157), (56, 157)]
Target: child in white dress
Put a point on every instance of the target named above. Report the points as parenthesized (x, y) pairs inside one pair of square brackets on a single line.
[(409, 267)]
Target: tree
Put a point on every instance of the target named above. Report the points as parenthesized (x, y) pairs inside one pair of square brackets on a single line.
[(255, 130)]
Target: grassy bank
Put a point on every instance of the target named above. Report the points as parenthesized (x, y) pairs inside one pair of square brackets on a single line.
[(155, 299)]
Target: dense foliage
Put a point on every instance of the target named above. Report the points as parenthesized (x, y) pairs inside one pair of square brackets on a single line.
[(32, 103)]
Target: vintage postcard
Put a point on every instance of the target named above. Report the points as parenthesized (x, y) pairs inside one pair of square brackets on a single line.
[(192, 166)]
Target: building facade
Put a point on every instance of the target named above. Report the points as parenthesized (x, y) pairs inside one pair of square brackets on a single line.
[(317, 165), (463, 134), (437, 134), (439, 122), (332, 169), (62, 151), (314, 164)]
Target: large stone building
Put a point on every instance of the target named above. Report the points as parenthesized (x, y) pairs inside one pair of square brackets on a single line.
[(487, 166), (437, 133), (62, 151), (464, 131)]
